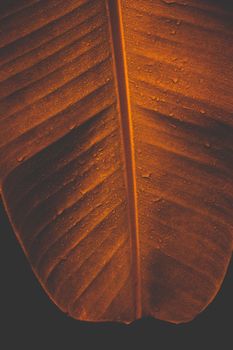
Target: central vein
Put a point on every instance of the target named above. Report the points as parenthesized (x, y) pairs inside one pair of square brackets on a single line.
[(114, 9)]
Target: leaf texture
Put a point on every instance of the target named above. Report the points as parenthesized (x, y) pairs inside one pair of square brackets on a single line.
[(116, 154)]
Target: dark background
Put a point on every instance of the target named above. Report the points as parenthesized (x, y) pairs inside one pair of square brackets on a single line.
[(29, 320)]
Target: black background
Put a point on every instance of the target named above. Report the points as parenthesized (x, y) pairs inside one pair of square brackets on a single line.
[(29, 320)]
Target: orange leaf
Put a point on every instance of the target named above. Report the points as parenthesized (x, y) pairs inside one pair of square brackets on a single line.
[(116, 155)]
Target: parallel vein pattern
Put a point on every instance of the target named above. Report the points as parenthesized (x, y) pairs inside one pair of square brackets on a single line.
[(116, 151), (180, 74), (62, 163)]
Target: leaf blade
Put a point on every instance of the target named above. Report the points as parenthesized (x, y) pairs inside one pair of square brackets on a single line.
[(96, 167)]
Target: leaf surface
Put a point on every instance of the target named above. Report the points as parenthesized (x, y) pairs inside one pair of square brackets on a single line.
[(116, 155)]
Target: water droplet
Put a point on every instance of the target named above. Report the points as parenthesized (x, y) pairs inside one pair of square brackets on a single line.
[(169, 2), (173, 126), (202, 111), (207, 145), (64, 258), (20, 158), (81, 161), (60, 211), (155, 200), (175, 80), (146, 175)]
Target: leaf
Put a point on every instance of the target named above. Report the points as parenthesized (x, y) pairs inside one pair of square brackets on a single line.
[(116, 152)]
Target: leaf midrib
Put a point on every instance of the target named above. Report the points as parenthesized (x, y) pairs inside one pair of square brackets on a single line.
[(114, 11)]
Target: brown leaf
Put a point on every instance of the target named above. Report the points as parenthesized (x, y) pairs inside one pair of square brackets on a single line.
[(116, 151)]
